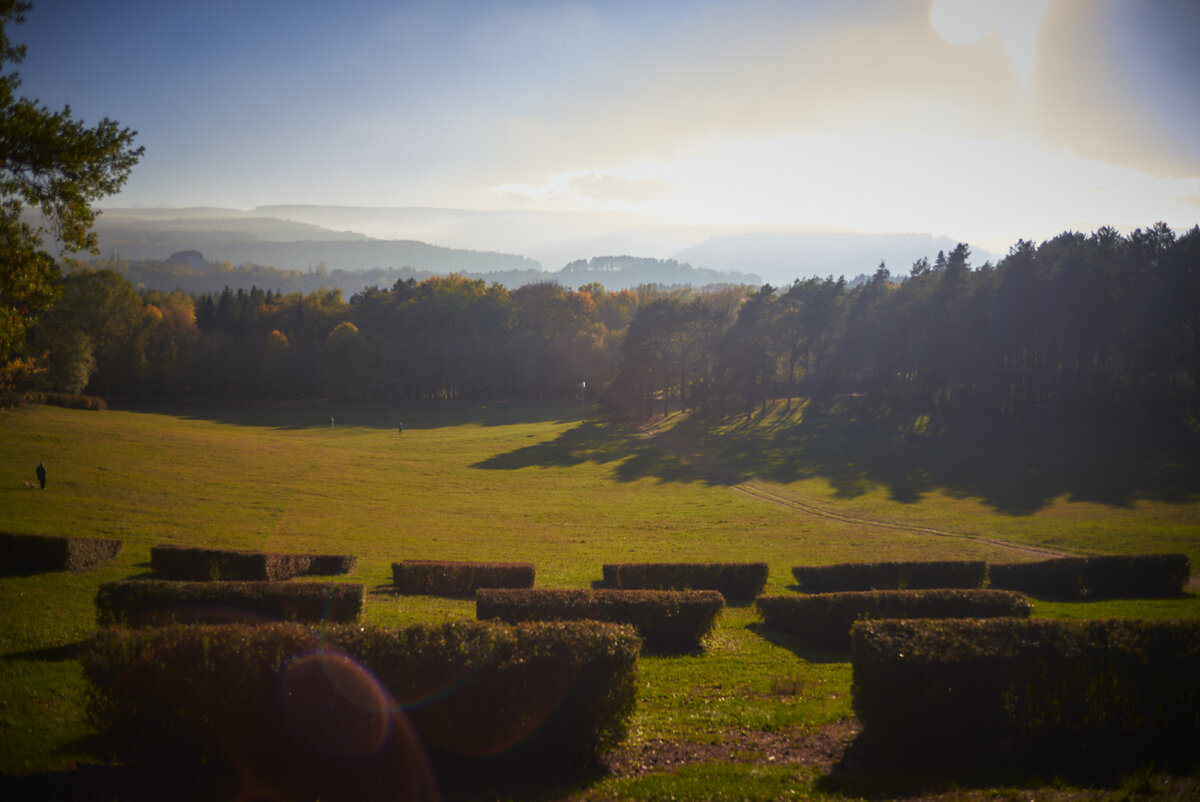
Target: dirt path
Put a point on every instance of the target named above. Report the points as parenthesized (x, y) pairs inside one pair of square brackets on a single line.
[(725, 474)]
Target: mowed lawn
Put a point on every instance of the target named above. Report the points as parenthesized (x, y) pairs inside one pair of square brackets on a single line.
[(518, 482)]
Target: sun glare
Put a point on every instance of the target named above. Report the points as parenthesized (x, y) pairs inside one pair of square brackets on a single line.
[(1016, 22), (962, 22)]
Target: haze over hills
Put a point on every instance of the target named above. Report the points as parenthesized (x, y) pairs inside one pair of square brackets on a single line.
[(522, 245)]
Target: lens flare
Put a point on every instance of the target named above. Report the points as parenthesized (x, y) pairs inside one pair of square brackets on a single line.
[(334, 706)]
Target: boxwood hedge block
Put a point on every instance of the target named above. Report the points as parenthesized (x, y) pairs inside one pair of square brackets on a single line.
[(1033, 689), (350, 712), (196, 564), (1136, 575), (152, 602), (1096, 576), (731, 580), (669, 621), (844, 577), (43, 553), (452, 578), (825, 619)]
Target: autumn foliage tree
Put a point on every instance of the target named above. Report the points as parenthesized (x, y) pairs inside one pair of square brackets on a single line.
[(55, 165)]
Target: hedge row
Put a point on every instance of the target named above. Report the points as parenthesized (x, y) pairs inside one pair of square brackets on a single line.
[(187, 563), (890, 576), (825, 619), (1032, 689), (453, 578), (39, 553), (348, 712), (1131, 576), (70, 400), (1128, 576), (151, 602), (668, 621), (731, 580)]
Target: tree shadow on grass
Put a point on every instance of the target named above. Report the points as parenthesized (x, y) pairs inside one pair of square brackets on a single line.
[(1016, 465), (635, 457)]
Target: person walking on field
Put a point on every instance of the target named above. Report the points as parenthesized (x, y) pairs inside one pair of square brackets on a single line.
[(41, 475)]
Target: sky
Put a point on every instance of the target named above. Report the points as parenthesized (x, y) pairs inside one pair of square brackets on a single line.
[(985, 121)]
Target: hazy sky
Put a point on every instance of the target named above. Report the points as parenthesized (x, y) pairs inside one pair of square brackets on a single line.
[(983, 121)]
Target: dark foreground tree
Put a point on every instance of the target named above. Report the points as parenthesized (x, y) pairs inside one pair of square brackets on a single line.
[(55, 165)]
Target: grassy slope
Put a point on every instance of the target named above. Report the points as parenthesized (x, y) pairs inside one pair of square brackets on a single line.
[(1108, 486), (521, 482)]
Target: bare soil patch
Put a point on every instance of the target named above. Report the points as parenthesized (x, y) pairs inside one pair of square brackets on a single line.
[(821, 748)]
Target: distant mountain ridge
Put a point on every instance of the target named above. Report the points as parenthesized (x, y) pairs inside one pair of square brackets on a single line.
[(668, 272), (508, 246)]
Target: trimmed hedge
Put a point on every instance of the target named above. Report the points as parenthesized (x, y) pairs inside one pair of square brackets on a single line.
[(453, 578), (825, 619), (195, 564), (668, 620), (731, 580), (1032, 689), (153, 602), (70, 400), (349, 712), (1097, 576), (558, 690), (890, 576), (41, 553)]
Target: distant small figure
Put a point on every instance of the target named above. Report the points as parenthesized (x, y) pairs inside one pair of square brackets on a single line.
[(331, 420), (41, 475), (401, 427)]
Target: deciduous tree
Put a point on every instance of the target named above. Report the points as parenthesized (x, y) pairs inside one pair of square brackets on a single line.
[(53, 164)]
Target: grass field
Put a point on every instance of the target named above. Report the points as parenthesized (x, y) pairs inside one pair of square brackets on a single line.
[(526, 482)]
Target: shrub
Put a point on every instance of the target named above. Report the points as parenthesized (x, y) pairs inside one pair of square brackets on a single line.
[(1030, 689), (194, 564), (452, 578), (1061, 577), (556, 691), (731, 580), (40, 553), (353, 712), (150, 602), (668, 621), (71, 400), (1136, 576), (825, 619), (330, 564), (1096, 576), (890, 576)]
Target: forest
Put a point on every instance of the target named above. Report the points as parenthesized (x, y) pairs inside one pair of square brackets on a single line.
[(1095, 322)]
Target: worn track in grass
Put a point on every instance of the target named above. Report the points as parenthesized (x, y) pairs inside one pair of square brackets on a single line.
[(776, 497), (727, 475)]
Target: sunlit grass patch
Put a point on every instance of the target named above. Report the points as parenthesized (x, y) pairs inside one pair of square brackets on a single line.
[(732, 685), (715, 781)]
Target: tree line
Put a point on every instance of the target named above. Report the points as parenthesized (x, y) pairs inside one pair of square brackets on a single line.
[(1080, 322), (1098, 321), (444, 337)]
